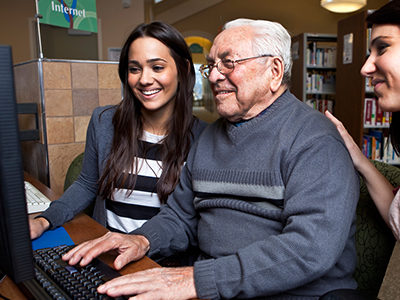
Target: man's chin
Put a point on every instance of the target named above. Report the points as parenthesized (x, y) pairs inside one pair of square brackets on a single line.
[(230, 118)]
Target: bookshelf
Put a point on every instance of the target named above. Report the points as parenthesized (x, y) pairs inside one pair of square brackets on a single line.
[(314, 69), (355, 104)]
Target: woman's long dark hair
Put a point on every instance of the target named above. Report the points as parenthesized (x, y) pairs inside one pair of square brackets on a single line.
[(128, 122), (389, 14)]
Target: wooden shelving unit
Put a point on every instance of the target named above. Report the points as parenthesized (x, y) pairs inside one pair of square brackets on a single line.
[(303, 66), (350, 84)]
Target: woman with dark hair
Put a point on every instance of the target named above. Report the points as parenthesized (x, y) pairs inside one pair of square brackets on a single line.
[(383, 67), (135, 150)]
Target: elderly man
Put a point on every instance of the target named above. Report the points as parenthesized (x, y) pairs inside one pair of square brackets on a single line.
[(268, 193)]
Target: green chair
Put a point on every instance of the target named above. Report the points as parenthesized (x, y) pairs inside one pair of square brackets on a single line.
[(374, 239), (73, 172)]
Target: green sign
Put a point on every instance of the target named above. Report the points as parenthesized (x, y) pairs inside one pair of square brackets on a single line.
[(75, 14)]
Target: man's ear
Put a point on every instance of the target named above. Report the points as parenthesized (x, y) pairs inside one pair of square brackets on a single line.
[(277, 70)]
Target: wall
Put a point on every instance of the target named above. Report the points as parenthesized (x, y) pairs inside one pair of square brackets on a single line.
[(297, 16), (14, 21), (116, 23), (57, 43)]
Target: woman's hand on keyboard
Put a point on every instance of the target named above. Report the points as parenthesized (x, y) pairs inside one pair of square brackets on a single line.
[(37, 227), (129, 248)]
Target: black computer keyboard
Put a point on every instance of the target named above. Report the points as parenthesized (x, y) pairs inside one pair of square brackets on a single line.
[(62, 281)]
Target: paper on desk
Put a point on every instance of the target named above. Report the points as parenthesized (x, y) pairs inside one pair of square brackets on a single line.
[(52, 238)]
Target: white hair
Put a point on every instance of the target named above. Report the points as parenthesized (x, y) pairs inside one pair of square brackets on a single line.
[(269, 38)]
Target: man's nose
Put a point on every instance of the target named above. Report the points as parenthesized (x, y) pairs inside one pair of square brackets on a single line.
[(215, 75)]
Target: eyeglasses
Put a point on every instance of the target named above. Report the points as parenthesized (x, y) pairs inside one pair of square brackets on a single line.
[(226, 66)]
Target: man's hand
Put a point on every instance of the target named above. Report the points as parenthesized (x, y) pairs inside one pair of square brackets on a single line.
[(157, 283), (37, 227), (129, 248)]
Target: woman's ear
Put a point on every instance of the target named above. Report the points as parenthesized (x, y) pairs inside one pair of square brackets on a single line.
[(277, 70)]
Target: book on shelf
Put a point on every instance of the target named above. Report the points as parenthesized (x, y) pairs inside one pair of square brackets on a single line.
[(389, 155), (376, 146), (373, 114), (320, 82), (368, 39), (321, 103), (368, 111), (321, 54), (378, 115), (373, 145)]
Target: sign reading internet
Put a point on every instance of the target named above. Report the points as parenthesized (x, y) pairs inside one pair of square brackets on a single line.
[(74, 14)]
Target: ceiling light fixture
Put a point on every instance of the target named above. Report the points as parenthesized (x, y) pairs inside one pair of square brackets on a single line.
[(343, 6)]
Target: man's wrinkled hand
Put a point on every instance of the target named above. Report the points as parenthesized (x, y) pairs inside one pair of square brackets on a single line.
[(129, 248), (157, 283)]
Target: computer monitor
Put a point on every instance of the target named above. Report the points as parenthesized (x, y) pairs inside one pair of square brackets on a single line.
[(16, 259)]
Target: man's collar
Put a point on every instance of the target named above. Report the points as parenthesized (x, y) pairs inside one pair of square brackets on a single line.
[(241, 122)]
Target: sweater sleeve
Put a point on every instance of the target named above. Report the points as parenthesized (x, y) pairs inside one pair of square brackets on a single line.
[(84, 190), (318, 224)]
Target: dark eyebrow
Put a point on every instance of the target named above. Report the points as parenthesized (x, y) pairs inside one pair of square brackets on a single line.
[(378, 38), (148, 61)]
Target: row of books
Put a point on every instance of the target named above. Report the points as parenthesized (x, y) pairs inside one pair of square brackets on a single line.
[(373, 114), (377, 147), (321, 103), (319, 55), (320, 82)]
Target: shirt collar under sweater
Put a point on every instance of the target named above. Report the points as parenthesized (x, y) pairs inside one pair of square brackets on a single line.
[(236, 133), (240, 123), (265, 113)]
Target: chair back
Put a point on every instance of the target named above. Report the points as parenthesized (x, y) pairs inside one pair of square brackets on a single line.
[(374, 239), (73, 171)]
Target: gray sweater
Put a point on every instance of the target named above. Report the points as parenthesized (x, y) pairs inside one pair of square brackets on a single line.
[(270, 204), (83, 191)]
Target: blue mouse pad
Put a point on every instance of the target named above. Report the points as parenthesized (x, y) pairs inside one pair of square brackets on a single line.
[(52, 238)]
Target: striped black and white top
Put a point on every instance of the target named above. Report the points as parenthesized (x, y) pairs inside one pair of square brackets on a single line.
[(128, 212)]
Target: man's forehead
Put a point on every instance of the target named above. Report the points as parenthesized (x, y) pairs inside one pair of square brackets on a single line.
[(231, 42)]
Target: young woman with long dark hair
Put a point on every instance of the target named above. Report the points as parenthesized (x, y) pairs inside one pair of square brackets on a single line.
[(135, 150), (382, 66)]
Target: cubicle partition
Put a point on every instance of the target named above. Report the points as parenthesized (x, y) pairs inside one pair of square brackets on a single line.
[(64, 92)]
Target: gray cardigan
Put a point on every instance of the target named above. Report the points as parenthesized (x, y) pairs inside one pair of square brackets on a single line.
[(84, 190), (270, 204)]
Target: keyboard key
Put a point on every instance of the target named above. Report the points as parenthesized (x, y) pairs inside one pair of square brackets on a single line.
[(63, 281), (35, 200)]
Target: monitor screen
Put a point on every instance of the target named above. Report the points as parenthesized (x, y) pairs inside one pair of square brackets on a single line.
[(15, 244)]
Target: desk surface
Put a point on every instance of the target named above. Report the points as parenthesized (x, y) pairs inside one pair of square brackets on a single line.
[(74, 228)]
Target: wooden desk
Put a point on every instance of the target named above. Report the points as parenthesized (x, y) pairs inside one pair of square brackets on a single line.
[(80, 229)]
